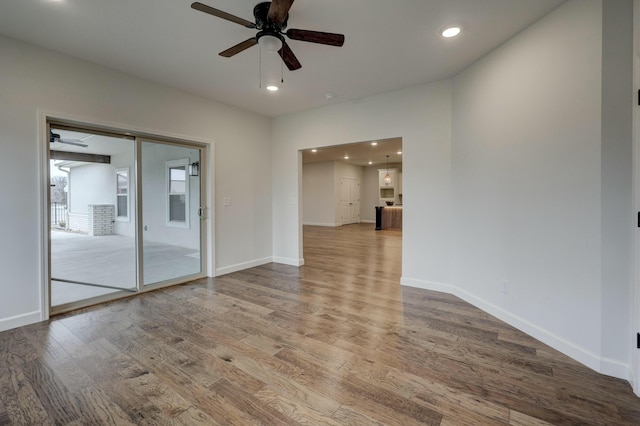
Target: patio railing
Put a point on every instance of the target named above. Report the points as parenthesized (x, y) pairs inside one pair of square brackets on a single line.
[(59, 214)]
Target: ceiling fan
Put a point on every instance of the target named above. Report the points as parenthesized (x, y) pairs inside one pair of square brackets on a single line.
[(271, 21), (55, 137)]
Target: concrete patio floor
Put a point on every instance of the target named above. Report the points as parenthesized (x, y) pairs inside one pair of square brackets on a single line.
[(110, 260)]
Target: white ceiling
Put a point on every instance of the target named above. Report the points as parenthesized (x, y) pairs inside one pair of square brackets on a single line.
[(389, 44)]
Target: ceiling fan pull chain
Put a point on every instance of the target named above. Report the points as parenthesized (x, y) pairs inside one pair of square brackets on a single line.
[(282, 72), (260, 72)]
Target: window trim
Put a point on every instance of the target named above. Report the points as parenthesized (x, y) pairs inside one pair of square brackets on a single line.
[(184, 162), (126, 218)]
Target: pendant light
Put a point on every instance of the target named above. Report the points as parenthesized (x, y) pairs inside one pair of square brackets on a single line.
[(387, 177)]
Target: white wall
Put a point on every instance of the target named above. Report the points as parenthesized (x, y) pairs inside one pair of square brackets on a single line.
[(91, 184), (318, 187), (636, 178), (617, 181), (32, 78), (321, 191), (540, 179), (422, 117)]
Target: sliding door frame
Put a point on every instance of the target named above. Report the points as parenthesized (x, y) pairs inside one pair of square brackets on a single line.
[(140, 214), (46, 120)]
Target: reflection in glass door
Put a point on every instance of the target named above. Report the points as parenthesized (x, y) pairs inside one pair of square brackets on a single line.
[(171, 228)]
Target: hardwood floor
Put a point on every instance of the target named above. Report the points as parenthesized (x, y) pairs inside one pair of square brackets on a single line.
[(335, 342)]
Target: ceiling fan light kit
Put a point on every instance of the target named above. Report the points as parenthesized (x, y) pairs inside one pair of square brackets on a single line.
[(268, 42), (271, 20)]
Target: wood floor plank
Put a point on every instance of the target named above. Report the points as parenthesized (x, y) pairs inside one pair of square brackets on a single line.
[(378, 394), (337, 342), (519, 419), (20, 400), (4, 416), (293, 409), (52, 394), (195, 417), (281, 377), (455, 403), (346, 415), (99, 409), (248, 403)]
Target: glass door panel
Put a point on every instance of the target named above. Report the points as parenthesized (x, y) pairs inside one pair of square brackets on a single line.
[(170, 177), (92, 229)]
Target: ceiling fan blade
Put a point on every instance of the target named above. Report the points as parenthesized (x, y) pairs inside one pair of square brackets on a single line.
[(72, 142), (288, 57), (220, 14), (234, 50), (331, 39), (278, 10)]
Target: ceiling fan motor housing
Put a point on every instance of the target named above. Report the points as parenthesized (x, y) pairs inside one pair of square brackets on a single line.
[(260, 12)]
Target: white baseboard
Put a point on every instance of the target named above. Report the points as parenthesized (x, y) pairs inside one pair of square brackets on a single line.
[(426, 285), (288, 261), (331, 225), (20, 320), (614, 368), (244, 265), (597, 363)]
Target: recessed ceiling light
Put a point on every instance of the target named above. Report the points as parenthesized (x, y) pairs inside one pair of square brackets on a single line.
[(346, 157), (374, 143), (450, 32), (370, 162), (272, 88), (314, 150), (399, 152), (329, 96)]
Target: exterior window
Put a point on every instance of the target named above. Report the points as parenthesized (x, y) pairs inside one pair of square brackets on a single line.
[(122, 195), (177, 193)]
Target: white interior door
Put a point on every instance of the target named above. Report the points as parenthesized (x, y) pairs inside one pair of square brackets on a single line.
[(350, 196)]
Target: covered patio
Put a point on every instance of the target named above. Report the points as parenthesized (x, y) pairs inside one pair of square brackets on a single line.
[(84, 266)]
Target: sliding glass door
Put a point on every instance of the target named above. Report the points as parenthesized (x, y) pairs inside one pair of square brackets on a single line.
[(170, 176), (92, 221), (124, 215)]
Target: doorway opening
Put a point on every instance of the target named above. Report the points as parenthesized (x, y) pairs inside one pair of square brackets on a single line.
[(343, 187), (125, 214)]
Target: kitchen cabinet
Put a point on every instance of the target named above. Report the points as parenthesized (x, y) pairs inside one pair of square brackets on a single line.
[(391, 191)]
